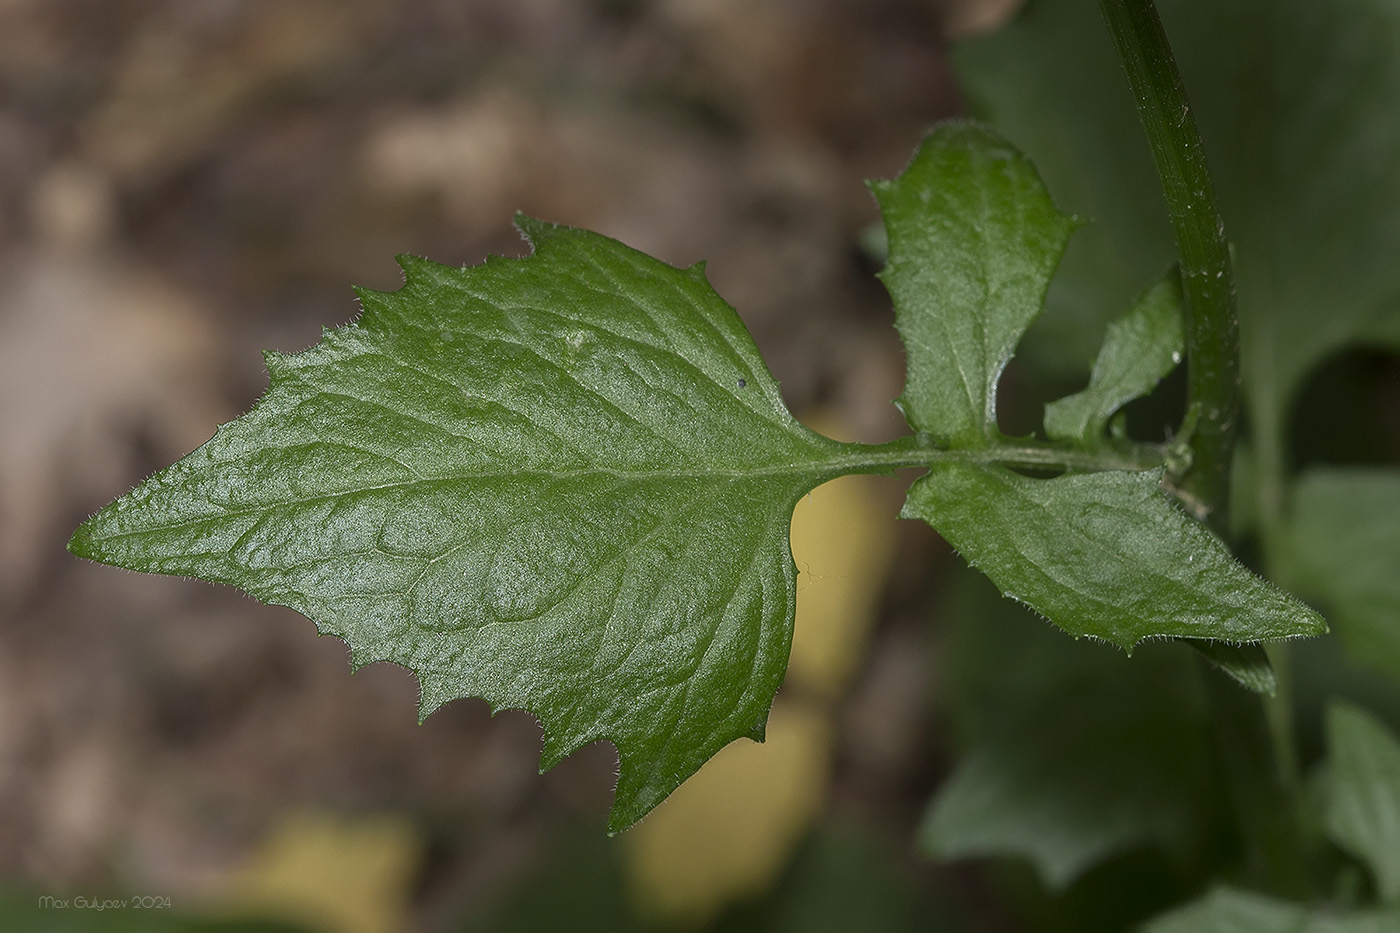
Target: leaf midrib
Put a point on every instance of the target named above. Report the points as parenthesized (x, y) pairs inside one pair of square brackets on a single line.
[(815, 469), (906, 452)]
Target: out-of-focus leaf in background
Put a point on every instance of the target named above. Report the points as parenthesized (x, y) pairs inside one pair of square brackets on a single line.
[(1073, 753), (1296, 102), (1343, 550), (843, 539), (1226, 910), (1362, 793)]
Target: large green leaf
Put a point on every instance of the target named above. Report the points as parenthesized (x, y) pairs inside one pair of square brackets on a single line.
[(1344, 551), (1362, 808), (973, 241), (1229, 911), (1296, 101), (561, 483), (1104, 555)]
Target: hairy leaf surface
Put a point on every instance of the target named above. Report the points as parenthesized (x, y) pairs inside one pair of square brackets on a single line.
[(973, 241), (1139, 349), (1104, 555), (561, 483)]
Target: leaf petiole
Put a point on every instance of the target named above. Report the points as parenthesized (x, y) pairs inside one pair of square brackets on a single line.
[(915, 451)]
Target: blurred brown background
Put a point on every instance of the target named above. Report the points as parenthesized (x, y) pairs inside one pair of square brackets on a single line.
[(185, 183)]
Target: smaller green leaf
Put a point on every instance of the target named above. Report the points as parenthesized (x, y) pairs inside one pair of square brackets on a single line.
[(973, 240), (1362, 810), (1344, 547), (1104, 555), (1138, 350), (1247, 665), (1229, 911)]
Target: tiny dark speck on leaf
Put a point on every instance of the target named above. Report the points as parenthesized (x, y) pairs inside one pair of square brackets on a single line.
[(742, 383)]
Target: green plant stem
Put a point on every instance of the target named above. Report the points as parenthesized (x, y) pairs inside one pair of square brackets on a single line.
[(1254, 739), (1260, 792), (1212, 327)]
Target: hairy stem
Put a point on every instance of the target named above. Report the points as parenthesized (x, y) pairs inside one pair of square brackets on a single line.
[(1212, 327), (1262, 794), (1255, 753)]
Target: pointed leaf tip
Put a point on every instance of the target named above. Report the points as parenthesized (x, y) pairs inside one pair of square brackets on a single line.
[(533, 230), (1104, 555)]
